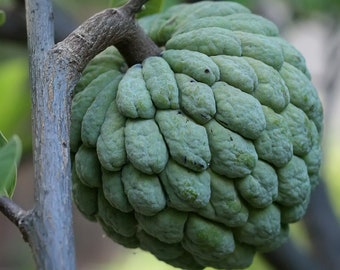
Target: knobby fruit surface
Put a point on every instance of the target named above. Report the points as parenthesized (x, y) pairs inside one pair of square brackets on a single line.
[(205, 154)]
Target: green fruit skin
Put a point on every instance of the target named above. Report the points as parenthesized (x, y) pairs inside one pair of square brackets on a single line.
[(133, 98), (110, 143), (160, 81), (95, 114), (209, 41), (204, 154), (194, 64)]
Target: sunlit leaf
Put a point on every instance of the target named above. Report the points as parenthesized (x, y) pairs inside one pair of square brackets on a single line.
[(10, 154), (2, 17), (15, 102)]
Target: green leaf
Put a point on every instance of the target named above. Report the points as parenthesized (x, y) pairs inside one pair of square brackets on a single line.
[(151, 7), (2, 17), (10, 154)]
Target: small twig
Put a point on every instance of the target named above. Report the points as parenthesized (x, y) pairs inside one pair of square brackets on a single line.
[(11, 210), (15, 214), (137, 46)]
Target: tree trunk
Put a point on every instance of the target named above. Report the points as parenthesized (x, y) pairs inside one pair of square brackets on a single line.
[(49, 225)]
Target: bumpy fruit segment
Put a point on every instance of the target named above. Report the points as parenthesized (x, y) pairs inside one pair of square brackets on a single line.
[(205, 154)]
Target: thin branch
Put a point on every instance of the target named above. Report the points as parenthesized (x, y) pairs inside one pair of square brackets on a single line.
[(15, 214), (11, 210), (137, 47), (110, 27)]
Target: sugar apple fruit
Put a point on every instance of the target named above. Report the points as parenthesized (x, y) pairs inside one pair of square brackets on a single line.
[(205, 154)]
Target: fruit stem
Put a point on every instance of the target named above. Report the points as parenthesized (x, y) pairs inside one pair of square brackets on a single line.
[(137, 45), (114, 26)]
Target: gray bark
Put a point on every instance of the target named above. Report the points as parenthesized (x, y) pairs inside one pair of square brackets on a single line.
[(49, 225)]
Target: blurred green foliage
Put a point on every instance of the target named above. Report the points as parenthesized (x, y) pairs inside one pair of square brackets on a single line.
[(2, 17), (150, 7), (331, 169), (10, 154), (305, 7), (15, 99)]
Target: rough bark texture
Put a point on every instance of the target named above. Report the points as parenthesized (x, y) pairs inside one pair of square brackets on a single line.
[(15, 214), (109, 27), (54, 71), (49, 226)]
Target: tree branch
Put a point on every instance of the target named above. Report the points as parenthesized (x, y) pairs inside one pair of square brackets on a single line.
[(50, 233), (11, 210), (15, 214), (110, 27)]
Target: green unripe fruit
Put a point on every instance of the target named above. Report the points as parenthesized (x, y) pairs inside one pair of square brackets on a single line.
[(205, 154)]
